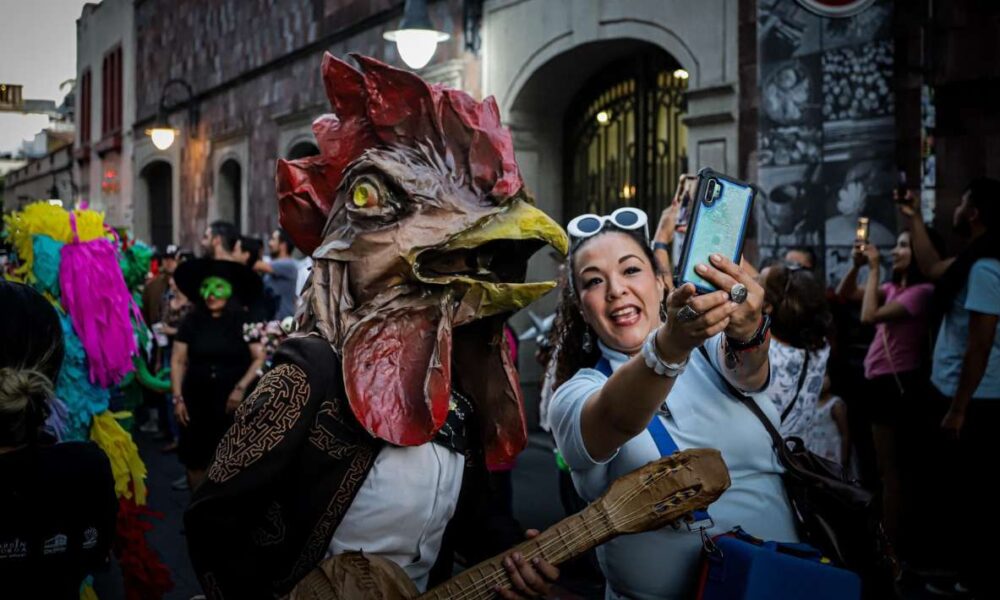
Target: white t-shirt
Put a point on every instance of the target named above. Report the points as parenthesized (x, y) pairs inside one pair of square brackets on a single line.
[(786, 367), (403, 507), (824, 436), (663, 564)]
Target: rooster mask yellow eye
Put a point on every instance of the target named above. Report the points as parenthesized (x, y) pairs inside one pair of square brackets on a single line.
[(365, 195)]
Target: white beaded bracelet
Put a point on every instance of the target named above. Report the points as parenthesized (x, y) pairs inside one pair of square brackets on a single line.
[(657, 364)]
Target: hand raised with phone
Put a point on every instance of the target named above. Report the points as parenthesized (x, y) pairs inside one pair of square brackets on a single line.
[(907, 201)]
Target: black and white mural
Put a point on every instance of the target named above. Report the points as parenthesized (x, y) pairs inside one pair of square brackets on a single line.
[(826, 147)]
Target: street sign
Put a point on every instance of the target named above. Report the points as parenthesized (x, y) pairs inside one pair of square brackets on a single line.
[(10, 97)]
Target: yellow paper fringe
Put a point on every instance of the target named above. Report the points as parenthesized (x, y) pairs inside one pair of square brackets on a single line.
[(89, 224), (87, 592), (123, 454), (42, 218)]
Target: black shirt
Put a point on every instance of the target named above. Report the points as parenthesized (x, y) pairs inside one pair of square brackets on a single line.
[(216, 341), (57, 518)]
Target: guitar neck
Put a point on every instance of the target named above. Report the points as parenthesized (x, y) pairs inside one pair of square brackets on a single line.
[(566, 539)]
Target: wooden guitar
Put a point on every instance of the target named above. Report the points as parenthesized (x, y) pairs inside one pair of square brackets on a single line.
[(648, 498)]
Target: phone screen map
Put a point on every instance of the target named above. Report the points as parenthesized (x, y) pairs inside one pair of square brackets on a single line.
[(718, 230)]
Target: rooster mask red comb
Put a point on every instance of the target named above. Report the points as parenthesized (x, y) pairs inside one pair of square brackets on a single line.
[(420, 231)]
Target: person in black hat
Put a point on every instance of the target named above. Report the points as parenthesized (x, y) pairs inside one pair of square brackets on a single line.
[(212, 366)]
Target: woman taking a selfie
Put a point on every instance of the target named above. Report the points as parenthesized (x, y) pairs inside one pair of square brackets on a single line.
[(900, 310), (615, 318)]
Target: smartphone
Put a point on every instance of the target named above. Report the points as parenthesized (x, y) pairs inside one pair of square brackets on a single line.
[(687, 187), (861, 235), (901, 186), (720, 212)]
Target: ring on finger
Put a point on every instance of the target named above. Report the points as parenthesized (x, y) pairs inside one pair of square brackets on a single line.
[(686, 313), (738, 294)]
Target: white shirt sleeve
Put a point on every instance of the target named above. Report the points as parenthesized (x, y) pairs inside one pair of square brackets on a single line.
[(565, 410)]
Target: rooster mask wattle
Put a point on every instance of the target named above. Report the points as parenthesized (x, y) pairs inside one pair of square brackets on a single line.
[(420, 230)]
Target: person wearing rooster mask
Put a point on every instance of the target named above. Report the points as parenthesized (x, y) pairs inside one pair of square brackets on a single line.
[(399, 390)]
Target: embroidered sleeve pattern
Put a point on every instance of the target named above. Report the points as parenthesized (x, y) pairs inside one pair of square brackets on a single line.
[(262, 421), (319, 539)]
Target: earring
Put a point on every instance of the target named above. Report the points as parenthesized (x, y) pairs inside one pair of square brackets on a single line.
[(588, 343)]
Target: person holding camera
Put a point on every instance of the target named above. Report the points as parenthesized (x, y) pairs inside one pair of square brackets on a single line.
[(895, 363), (627, 360), (965, 376)]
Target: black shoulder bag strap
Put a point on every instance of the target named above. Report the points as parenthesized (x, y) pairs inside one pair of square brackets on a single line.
[(798, 388), (776, 440)]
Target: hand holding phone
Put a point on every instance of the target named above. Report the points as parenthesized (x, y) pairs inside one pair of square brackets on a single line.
[(720, 210), (861, 235), (858, 258), (906, 200), (900, 192)]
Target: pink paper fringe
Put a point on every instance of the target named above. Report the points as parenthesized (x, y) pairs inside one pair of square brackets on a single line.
[(98, 302)]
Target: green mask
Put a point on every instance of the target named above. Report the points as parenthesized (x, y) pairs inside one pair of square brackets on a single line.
[(216, 287)]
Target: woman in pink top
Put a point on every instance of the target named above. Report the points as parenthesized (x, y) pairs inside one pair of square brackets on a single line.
[(900, 310)]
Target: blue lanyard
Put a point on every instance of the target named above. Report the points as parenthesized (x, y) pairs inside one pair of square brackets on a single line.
[(666, 445)]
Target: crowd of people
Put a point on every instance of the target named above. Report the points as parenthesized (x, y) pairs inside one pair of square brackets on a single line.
[(906, 416), (931, 376), (390, 421), (203, 312), (199, 313)]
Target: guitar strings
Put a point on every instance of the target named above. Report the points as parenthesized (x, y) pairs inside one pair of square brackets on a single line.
[(502, 577), (577, 532), (575, 535)]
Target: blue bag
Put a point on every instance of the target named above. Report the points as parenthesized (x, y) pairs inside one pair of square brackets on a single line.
[(738, 566)]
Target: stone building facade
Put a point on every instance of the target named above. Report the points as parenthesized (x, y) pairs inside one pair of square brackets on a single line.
[(48, 177), (607, 100), (105, 109), (255, 72)]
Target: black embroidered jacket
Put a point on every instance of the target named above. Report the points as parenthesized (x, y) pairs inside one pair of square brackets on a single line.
[(287, 471), (283, 478)]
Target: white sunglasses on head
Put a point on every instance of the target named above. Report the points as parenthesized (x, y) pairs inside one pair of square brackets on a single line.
[(626, 218)]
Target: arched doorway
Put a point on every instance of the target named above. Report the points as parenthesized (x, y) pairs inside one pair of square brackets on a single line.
[(302, 150), (157, 178), (229, 196), (552, 115), (625, 143)]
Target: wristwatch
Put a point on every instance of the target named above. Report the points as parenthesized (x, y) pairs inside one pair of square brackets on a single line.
[(757, 339), (653, 361)]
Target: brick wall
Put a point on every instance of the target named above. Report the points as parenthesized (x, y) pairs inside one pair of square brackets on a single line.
[(254, 64)]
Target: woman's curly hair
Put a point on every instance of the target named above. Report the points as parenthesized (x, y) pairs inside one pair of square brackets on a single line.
[(800, 315), (569, 329)]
